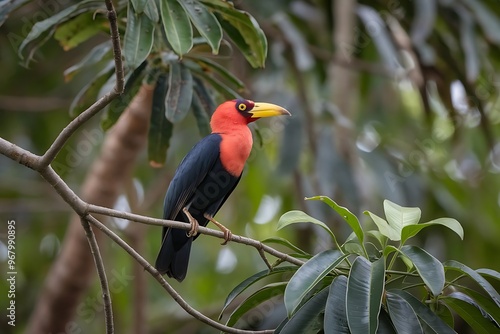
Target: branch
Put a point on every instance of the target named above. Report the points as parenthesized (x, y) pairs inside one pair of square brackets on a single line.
[(101, 272), (149, 268), (186, 226), (71, 128)]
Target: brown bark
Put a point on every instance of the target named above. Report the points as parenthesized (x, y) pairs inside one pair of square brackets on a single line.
[(72, 273)]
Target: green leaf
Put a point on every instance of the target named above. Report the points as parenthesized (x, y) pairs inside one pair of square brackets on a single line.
[(364, 295), (202, 120), (88, 94), (489, 272), (428, 267), (296, 216), (93, 57), (471, 312), (307, 318), (221, 70), (382, 239), (79, 29), (308, 276), (402, 315), (486, 18), (177, 26), (285, 271), (64, 15), (444, 312), (118, 105), (412, 230), (223, 89), (206, 23), (283, 242), (335, 311), (486, 304), (151, 11), (160, 129), (424, 313), (399, 216), (269, 291), (243, 30), (139, 5), (138, 39), (384, 228), (483, 283), (180, 92), (206, 99), (347, 215)]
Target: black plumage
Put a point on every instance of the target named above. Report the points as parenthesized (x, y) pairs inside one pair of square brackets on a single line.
[(202, 185)]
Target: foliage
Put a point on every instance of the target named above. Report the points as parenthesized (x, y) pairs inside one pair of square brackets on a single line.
[(355, 288)]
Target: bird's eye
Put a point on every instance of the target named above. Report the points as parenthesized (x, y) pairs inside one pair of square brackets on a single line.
[(242, 107)]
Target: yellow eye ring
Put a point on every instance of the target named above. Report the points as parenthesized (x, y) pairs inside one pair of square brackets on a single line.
[(242, 107)]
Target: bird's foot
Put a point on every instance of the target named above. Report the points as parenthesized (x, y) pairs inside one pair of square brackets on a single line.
[(194, 224), (227, 233)]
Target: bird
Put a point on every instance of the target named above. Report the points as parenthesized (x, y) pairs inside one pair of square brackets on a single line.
[(206, 177)]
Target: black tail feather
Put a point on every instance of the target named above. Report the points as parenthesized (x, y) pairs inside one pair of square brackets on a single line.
[(173, 258)]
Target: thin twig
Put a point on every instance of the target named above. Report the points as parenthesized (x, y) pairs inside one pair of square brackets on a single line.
[(186, 226), (101, 273), (176, 296), (70, 129)]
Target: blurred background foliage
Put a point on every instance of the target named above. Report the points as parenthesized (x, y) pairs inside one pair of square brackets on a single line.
[(401, 103)]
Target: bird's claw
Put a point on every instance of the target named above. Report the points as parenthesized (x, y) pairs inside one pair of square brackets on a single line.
[(194, 224), (227, 233)]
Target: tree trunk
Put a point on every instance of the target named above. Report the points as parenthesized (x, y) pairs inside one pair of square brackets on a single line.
[(71, 274)]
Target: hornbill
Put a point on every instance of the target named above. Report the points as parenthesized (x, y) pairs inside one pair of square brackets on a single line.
[(206, 177)]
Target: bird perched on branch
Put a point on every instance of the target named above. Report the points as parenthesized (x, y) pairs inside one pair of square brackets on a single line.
[(206, 177)]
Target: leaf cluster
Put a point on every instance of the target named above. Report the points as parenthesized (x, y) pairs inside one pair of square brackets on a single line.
[(355, 288), (166, 43)]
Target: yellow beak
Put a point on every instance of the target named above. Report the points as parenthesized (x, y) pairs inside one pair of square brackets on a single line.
[(262, 109)]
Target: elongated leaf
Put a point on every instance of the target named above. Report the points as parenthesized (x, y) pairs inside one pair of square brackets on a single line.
[(93, 57), (384, 228), (221, 88), (364, 295), (269, 291), (285, 271), (348, 216), (151, 11), (483, 283), (206, 99), (335, 310), (400, 216), (160, 129), (139, 5), (429, 268), (307, 318), (202, 120), (177, 26), (469, 45), (484, 302), (208, 64), (138, 39), (79, 29), (296, 216), (118, 105), (89, 92), (205, 22), (283, 242), (180, 92), (489, 273), (424, 313), (385, 325), (402, 315), (489, 22), (444, 312), (308, 276), (412, 230), (471, 312), (243, 30), (42, 26), (423, 21)]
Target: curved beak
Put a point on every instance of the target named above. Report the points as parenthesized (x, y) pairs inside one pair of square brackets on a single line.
[(262, 109)]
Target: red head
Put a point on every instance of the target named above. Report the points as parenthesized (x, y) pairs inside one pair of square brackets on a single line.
[(232, 114)]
